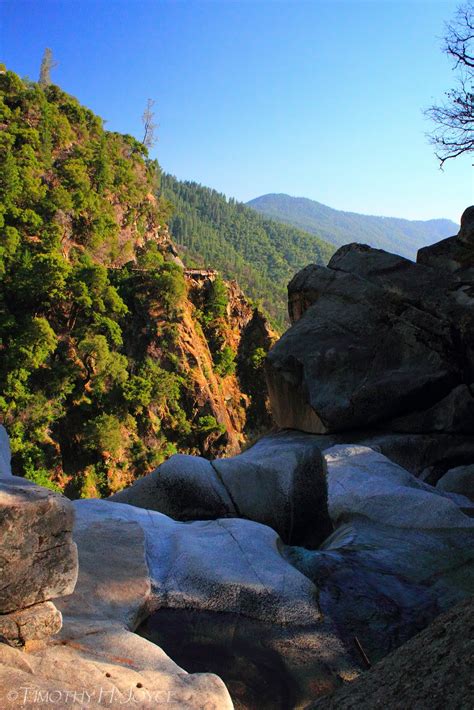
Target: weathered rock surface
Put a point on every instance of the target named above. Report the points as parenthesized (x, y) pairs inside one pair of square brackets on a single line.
[(97, 661), (458, 480), (34, 623), (135, 562), (432, 671), (37, 555), (401, 552), (280, 482), (378, 341), (5, 454)]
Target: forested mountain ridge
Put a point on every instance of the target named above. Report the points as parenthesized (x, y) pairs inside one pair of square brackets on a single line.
[(260, 253), (113, 356), (400, 236)]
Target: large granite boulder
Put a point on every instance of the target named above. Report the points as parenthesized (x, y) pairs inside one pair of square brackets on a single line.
[(38, 555), (138, 568), (281, 624), (458, 480), (376, 341), (402, 551), (280, 482), (432, 671)]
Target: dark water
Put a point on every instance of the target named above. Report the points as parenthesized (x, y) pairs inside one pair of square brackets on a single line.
[(241, 651)]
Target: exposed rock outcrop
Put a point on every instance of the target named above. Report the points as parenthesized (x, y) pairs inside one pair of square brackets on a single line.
[(432, 671), (35, 623), (401, 552), (458, 480), (404, 550), (38, 559), (378, 341), (280, 482)]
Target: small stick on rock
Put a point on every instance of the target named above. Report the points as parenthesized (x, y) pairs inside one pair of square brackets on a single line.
[(363, 654)]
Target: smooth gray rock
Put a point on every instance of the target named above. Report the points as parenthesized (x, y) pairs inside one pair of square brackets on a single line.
[(5, 454), (183, 487), (401, 553), (37, 554), (280, 482), (135, 562), (458, 480), (377, 341)]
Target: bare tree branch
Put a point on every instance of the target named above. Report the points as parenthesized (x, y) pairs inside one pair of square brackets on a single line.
[(149, 137), (454, 118), (47, 64)]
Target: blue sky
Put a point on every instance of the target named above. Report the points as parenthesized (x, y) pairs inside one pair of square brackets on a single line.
[(321, 99)]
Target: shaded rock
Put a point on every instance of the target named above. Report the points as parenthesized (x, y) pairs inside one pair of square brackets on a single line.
[(432, 671), (454, 255), (376, 341), (401, 552), (427, 456), (280, 482), (183, 487), (97, 658), (452, 414), (356, 357), (37, 555), (5, 454), (466, 233), (458, 480), (136, 563), (106, 673), (31, 624)]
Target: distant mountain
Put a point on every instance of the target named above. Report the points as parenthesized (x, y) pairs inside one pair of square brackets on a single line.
[(260, 253), (400, 236)]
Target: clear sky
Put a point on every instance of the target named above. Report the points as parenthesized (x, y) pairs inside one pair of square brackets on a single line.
[(321, 99)]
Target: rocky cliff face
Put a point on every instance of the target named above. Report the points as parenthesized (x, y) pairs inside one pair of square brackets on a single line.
[(381, 343), (231, 398)]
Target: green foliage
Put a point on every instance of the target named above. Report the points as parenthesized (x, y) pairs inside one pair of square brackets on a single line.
[(103, 434), (224, 361), (42, 478), (257, 358), (261, 254), (171, 286), (209, 425), (217, 299), (91, 385), (337, 228)]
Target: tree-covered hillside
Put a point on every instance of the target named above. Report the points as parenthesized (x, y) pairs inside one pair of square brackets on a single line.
[(97, 381), (261, 254), (399, 236)]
